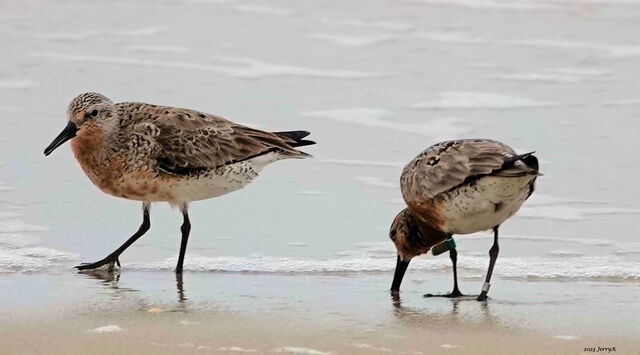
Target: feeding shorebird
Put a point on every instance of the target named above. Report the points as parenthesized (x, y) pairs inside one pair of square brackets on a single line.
[(153, 153), (459, 187)]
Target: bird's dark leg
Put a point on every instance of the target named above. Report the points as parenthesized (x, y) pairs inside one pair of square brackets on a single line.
[(185, 228), (453, 254), (401, 267), (112, 258), (493, 254)]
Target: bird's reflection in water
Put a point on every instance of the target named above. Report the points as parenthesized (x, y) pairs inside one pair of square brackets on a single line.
[(111, 280), (181, 297), (447, 311), (107, 278)]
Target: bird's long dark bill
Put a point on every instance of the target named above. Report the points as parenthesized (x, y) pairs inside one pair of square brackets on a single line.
[(66, 134), (401, 267)]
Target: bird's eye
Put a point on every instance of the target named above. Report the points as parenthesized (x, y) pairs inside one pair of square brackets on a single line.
[(94, 113)]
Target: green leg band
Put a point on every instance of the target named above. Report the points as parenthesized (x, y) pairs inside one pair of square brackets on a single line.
[(444, 246)]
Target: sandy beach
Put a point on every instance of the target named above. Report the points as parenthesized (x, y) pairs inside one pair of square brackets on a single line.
[(307, 314)]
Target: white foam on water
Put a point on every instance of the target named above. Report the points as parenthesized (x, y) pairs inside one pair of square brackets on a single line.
[(19, 84), (244, 67), (253, 68), (354, 41), (489, 4), (625, 102), (483, 100), (377, 118), (566, 337), (580, 241), (579, 267), (584, 72), (32, 259), (105, 329), (609, 50), (538, 77), (451, 346), (311, 193), (570, 213), (360, 162), (371, 347), (85, 35), (564, 253), (8, 215), (382, 24), (377, 182), (158, 49), (297, 350), (17, 226), (237, 349), (261, 9)]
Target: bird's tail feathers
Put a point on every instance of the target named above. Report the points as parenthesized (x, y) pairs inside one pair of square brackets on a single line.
[(295, 139)]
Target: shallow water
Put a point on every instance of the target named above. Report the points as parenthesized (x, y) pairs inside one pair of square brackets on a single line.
[(375, 82)]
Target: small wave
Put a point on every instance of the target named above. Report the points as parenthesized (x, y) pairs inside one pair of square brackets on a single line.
[(626, 102), (387, 25), (358, 162), (29, 260), (85, 35), (243, 68), (579, 267), (610, 50), (538, 77), (263, 10), (238, 349), (375, 118), (17, 226), (158, 49), (296, 350), (376, 181), (105, 329), (19, 84), (468, 99), (311, 193), (569, 213), (490, 4), (354, 41), (564, 253)]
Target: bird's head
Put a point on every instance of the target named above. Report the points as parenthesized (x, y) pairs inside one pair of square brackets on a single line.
[(88, 109)]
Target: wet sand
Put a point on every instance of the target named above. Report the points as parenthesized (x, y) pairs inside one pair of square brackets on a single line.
[(223, 313)]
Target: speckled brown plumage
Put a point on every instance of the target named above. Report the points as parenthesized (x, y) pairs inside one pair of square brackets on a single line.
[(440, 183), (142, 151)]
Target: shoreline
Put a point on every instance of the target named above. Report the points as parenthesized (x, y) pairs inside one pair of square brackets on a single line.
[(310, 314)]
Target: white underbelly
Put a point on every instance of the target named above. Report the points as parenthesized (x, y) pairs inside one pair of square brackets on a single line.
[(485, 203), (216, 182)]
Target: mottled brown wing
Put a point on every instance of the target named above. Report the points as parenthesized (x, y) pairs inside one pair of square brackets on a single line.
[(448, 164), (189, 140)]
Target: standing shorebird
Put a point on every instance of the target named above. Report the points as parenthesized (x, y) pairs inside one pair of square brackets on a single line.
[(459, 187), (155, 153)]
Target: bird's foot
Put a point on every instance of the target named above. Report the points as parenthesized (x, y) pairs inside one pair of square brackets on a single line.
[(482, 297), (453, 294), (110, 260)]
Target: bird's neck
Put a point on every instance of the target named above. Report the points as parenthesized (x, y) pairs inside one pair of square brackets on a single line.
[(429, 233)]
